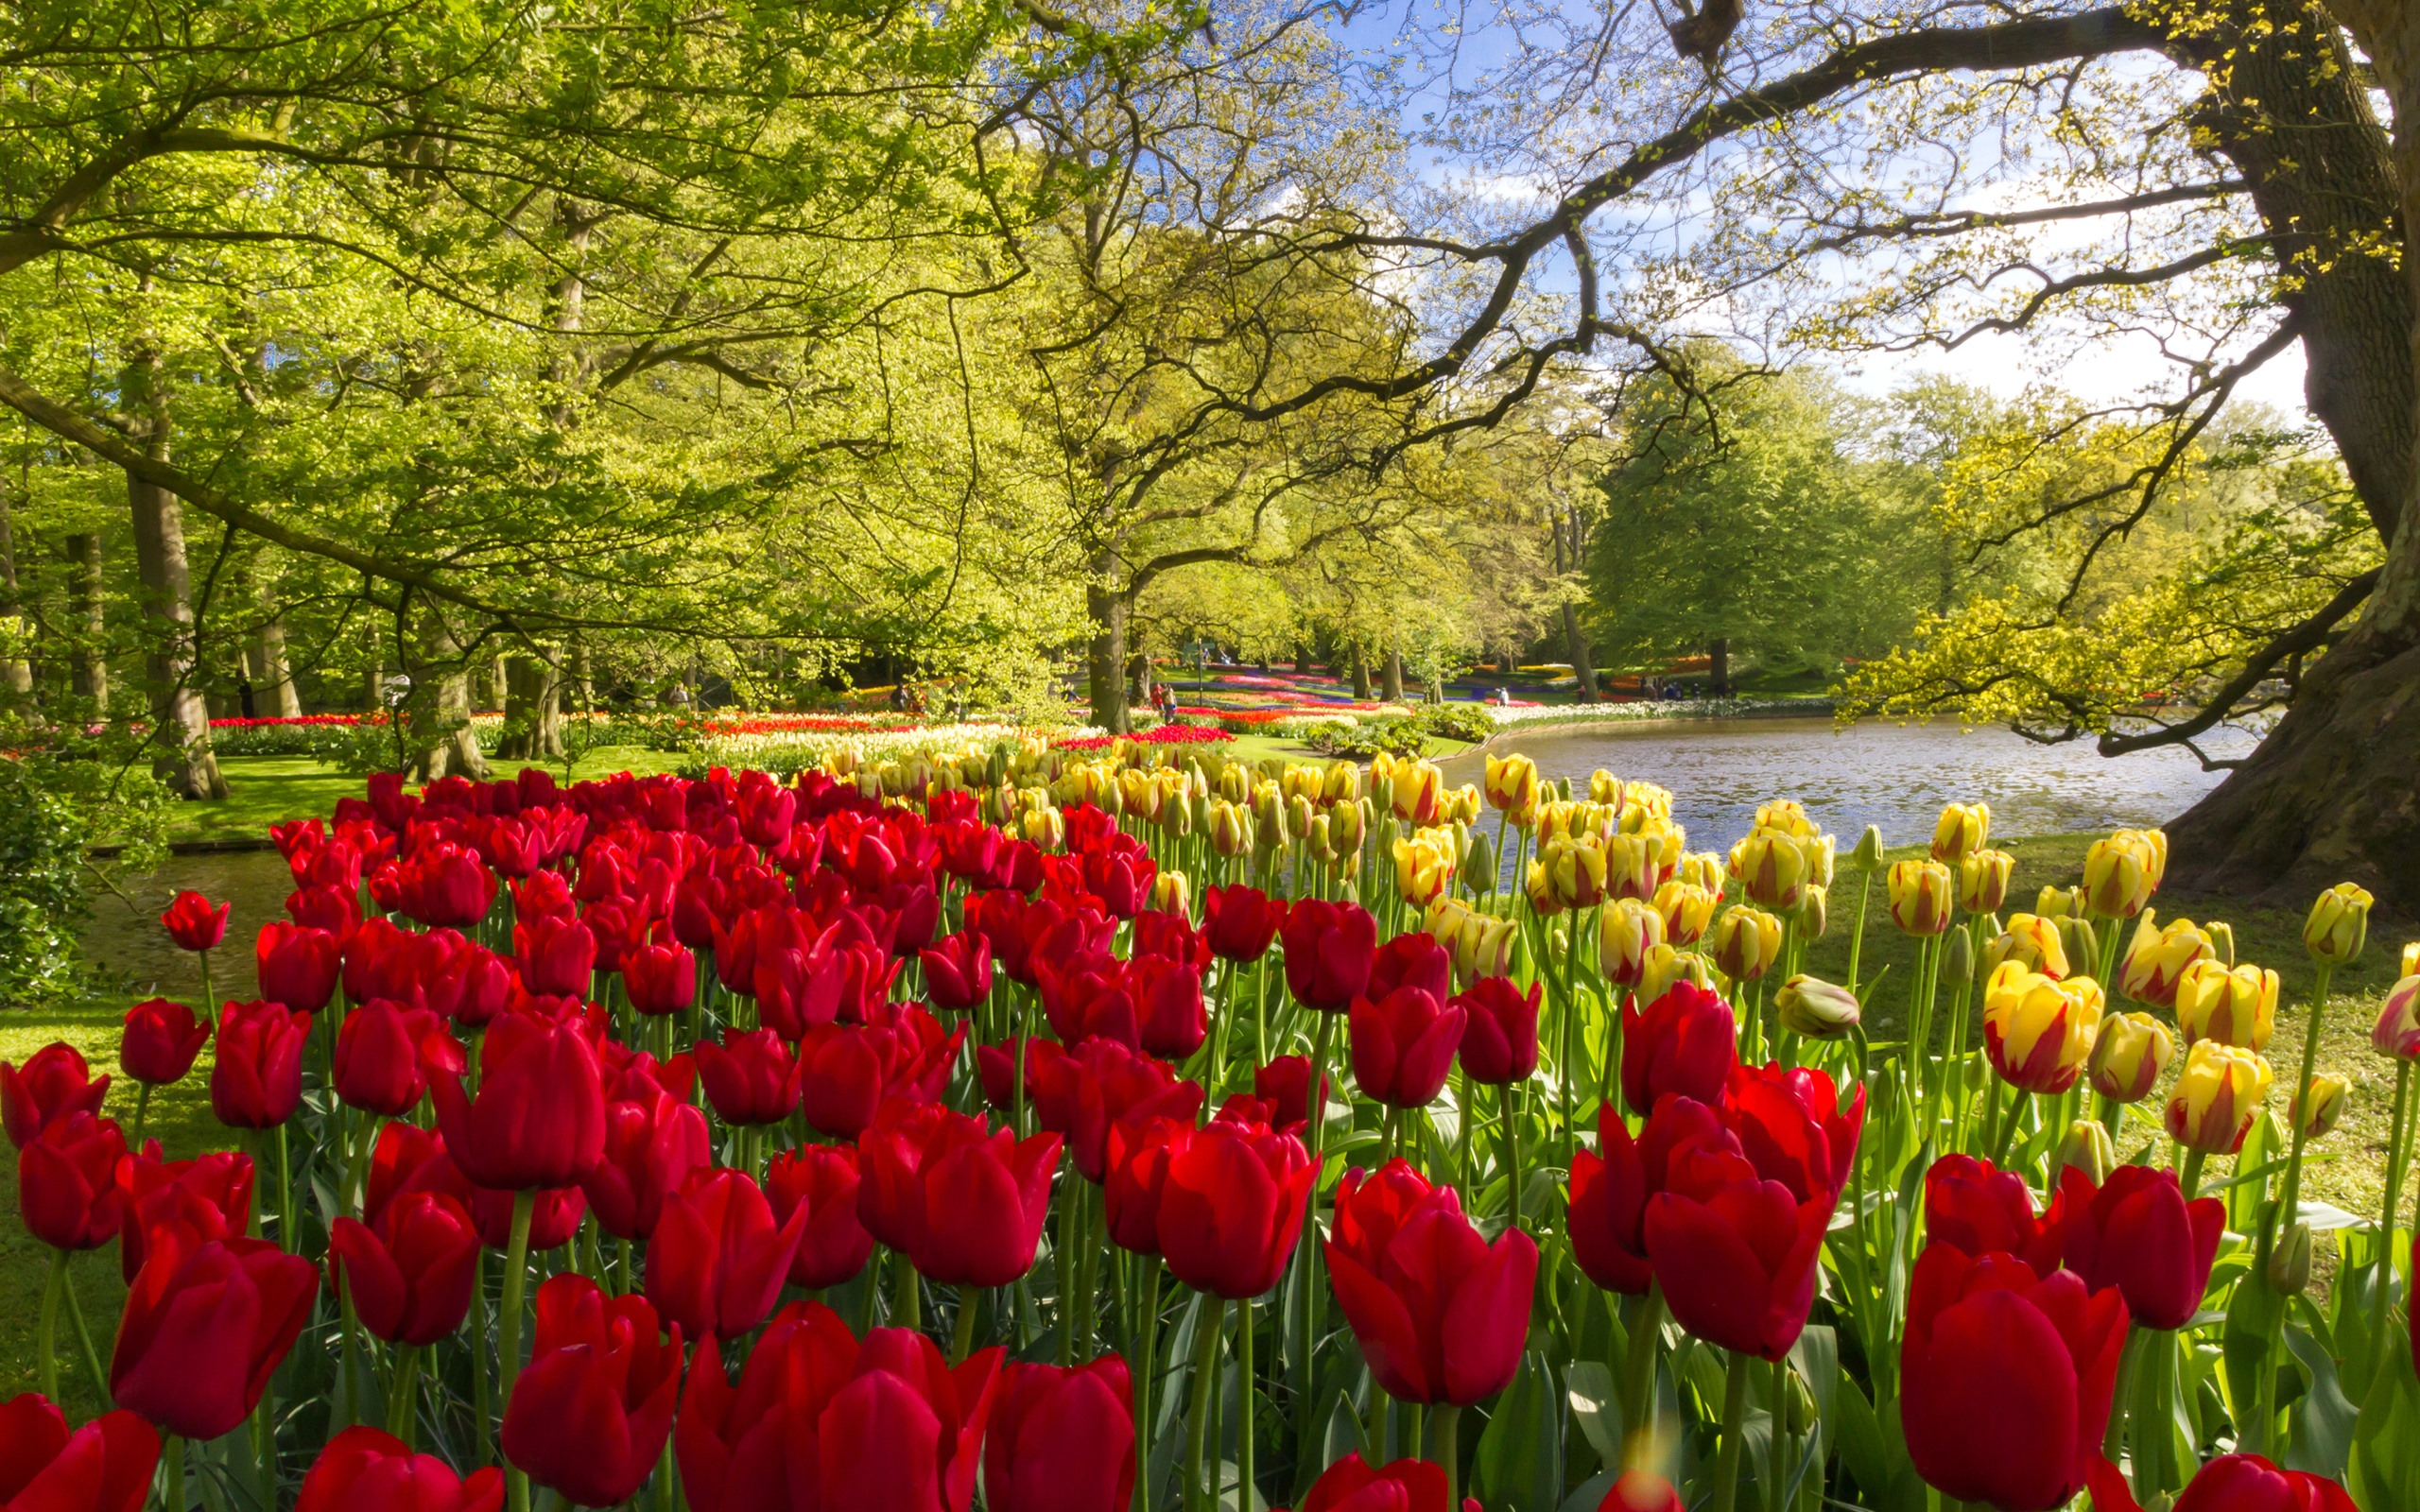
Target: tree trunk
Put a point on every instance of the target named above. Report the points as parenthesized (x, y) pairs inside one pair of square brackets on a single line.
[(1391, 677), (2328, 795), (532, 711), (1575, 644), (1718, 655), (88, 666), (180, 717), (1360, 674), (453, 748), (1106, 665), (499, 685), (19, 672), (284, 698)]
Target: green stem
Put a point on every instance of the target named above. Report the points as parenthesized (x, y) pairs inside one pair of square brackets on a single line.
[(2382, 1272), (1243, 1403), (142, 1107), (516, 1276), (1735, 1413), (1208, 1320), (1511, 1112), (908, 1303), (1145, 1369), (2128, 1362), (85, 1342), (961, 1340), (482, 1389), (172, 1461), (1445, 1426), (402, 1420), (1857, 941), (46, 1328), (1639, 1377), (2190, 1178), (287, 1239)]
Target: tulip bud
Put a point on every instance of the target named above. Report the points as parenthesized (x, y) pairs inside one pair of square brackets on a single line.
[(2059, 903), (2289, 1263), (2236, 1008), (2217, 1096), (2127, 1059), (2079, 940), (1744, 943), (1230, 828), (1868, 854), (1688, 909), (2122, 871), (2157, 957), (1816, 1008), (2089, 1149), (2398, 1033), (1480, 866), (1171, 893), (1483, 947), (1604, 787), (1665, 966), (1046, 828), (1343, 784), (2222, 941), (1813, 911), (1982, 880), (1626, 931), (1348, 827), (1919, 893), (2339, 924), (1298, 815), (2033, 942), (1269, 819), (1318, 843), (2326, 1105), (1425, 865), (1958, 958), (1962, 830)]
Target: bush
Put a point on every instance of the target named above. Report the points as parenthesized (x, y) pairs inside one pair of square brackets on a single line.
[(56, 802)]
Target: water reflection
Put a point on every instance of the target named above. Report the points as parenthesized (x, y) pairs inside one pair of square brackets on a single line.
[(125, 945), (1895, 776)]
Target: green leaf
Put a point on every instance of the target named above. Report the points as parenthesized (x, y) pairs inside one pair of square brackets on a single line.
[(1519, 1463), (1596, 1408), (2319, 1425)]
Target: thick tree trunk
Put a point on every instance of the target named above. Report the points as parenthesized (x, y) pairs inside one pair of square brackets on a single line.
[(273, 688), (88, 665), (1105, 668), (18, 674), (454, 749), (1360, 675), (180, 717), (1565, 525), (532, 711), (1718, 656), (2328, 795), (1391, 677)]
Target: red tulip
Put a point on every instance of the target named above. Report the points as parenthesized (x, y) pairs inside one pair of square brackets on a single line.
[(1169, 1016), (1231, 1206), (2031, 1359), (766, 813), (378, 1062), (958, 969), (1642, 1491), (1735, 1252), (1240, 921), (472, 986), (1981, 1211), (1412, 959), (652, 1143), (1611, 1185), (1061, 1439), (207, 1197), (556, 955), (1081, 1094), (1406, 1486), (968, 1204), (367, 1469), (591, 1411), (1499, 1030), (445, 886), (718, 1256), (298, 967), (410, 1276), (67, 1190), (256, 1081), (1441, 1314), (626, 1072), (542, 895), (206, 1324), (2137, 1233), (2231, 1482), (554, 1213), (1170, 936), (1285, 1085), (660, 979), (1402, 1046), (105, 1466), (53, 1083), (539, 1119), (1135, 1173), (1792, 1128), (1328, 950), (194, 923), (822, 1424), (847, 1070), (1685, 1043), (822, 1181), (751, 1077), (161, 1041)]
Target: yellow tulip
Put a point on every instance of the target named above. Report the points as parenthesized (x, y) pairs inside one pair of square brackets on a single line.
[(1575, 872), (2339, 924), (2122, 871), (1964, 829), (2060, 903), (1665, 966), (1343, 784), (1513, 785), (1348, 826), (1787, 815), (1046, 829), (2234, 1006), (1744, 943), (1425, 865), (1814, 915), (1141, 795), (1770, 866), (1816, 1008), (1418, 792), (1462, 804), (1982, 880), (2398, 1033), (1634, 865), (1701, 870), (1171, 893), (2327, 1092), (2031, 941), (2038, 1030), (2157, 957), (2410, 960), (1919, 894), (1644, 803), (1483, 947), (1269, 817), (1302, 782), (1315, 843), (1231, 827), (2129, 1057), (1688, 909), (1626, 931), (2217, 1096), (1604, 787), (1235, 782)]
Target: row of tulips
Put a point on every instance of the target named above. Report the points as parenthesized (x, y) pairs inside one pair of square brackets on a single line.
[(906, 1136)]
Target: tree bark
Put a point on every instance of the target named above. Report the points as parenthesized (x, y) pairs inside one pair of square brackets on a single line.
[(1718, 656), (273, 687), (1360, 674), (88, 665), (1106, 665), (180, 717), (2328, 795), (19, 671), (453, 748), (1575, 644), (1391, 677), (532, 711)]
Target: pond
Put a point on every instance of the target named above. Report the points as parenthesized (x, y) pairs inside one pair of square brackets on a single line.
[(1895, 776), (125, 943)]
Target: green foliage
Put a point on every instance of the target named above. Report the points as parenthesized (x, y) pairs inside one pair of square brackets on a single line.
[(60, 798)]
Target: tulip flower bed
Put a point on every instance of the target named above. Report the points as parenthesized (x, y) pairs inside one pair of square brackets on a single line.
[(1040, 1129)]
